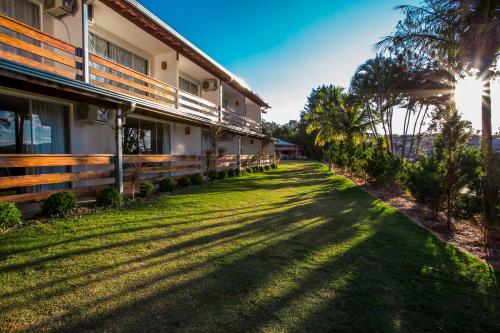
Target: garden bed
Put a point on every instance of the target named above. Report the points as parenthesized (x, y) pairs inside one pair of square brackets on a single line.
[(468, 235)]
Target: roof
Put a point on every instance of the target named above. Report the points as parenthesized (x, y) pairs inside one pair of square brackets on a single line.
[(279, 142), (149, 22)]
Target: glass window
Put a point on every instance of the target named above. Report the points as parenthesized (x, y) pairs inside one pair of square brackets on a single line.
[(189, 86), (145, 137)]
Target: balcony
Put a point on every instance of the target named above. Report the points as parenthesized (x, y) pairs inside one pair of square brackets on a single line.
[(233, 119)]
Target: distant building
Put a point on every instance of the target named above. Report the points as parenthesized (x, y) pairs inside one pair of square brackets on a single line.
[(288, 151)]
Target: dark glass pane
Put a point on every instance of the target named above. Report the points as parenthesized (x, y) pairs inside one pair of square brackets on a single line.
[(130, 136)]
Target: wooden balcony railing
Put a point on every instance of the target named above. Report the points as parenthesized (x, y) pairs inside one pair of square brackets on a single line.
[(42, 51), (119, 78), (36, 175), (234, 119), (192, 103)]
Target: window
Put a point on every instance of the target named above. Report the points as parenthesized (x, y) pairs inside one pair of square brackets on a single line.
[(145, 137), (189, 86), (115, 53), (26, 12)]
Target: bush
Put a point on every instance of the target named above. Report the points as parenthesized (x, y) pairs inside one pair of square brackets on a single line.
[(10, 215), (212, 175), (230, 173), (197, 179), (249, 170), (261, 168), (167, 185), (109, 197), (467, 205), (147, 189), (255, 169), (59, 204), (183, 182), (237, 172), (222, 174), (380, 166), (274, 166), (267, 167)]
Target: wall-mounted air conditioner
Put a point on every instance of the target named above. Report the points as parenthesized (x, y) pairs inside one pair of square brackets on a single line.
[(93, 114), (209, 85), (59, 8)]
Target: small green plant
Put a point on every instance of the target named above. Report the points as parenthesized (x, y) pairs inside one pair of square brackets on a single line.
[(249, 170), (237, 172), (255, 169), (212, 175), (109, 197), (196, 179), (230, 173), (167, 185), (222, 174), (274, 166), (59, 204), (10, 215), (267, 167), (147, 189), (261, 168), (183, 182)]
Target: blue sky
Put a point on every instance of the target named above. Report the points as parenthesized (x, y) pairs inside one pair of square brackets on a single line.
[(284, 48)]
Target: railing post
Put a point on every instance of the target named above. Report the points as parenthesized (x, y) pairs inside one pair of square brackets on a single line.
[(118, 151), (177, 95), (85, 42)]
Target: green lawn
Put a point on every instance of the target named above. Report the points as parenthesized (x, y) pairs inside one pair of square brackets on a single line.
[(294, 249)]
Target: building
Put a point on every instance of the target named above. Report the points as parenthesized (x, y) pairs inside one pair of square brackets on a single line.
[(288, 151), (94, 91)]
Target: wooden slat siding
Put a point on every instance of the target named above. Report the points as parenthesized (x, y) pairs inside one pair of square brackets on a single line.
[(31, 32), (158, 158), (131, 93), (43, 160), (50, 178), (161, 169), (33, 63), (130, 72), (168, 94), (25, 46), (41, 196)]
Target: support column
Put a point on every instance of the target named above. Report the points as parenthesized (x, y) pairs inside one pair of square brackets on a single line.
[(239, 152), (220, 101), (177, 95), (119, 150), (85, 42)]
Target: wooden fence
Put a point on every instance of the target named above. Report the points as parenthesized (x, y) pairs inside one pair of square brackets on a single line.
[(28, 177)]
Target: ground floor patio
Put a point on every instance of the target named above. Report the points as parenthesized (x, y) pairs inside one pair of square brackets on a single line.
[(293, 249)]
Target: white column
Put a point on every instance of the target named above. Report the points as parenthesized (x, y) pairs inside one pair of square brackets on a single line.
[(118, 150)]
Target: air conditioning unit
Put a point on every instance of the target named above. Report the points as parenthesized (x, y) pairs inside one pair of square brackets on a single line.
[(209, 85), (93, 114), (59, 8)]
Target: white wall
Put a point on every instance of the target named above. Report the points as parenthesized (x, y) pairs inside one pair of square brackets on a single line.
[(165, 75), (183, 144), (253, 111), (249, 148)]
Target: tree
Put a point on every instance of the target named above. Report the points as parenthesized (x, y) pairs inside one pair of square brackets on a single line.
[(464, 35)]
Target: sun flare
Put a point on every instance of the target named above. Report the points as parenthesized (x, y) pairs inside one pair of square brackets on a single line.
[(468, 92)]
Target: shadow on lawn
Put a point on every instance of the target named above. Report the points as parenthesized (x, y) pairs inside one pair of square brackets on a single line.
[(326, 259)]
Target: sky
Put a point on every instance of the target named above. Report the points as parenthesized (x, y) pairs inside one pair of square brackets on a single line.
[(285, 48)]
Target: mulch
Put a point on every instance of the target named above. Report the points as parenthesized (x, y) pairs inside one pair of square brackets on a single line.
[(467, 235)]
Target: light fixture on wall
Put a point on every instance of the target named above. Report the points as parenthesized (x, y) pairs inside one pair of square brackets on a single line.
[(187, 130), (237, 103), (164, 65)]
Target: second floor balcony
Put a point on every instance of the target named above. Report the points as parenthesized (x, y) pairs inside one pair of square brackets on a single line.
[(121, 57)]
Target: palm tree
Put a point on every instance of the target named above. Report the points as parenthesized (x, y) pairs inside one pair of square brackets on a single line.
[(337, 117), (464, 35)]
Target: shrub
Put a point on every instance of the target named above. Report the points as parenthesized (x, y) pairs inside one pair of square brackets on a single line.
[(197, 179), (255, 169), (59, 204), (183, 182), (167, 185), (467, 205), (147, 189), (267, 167), (109, 197), (237, 172), (212, 175), (380, 166), (222, 174), (274, 166), (261, 168), (230, 173), (249, 170), (10, 215)]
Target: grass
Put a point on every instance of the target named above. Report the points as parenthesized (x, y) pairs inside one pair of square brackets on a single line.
[(294, 249)]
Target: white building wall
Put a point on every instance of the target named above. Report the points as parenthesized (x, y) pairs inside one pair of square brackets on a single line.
[(183, 144), (165, 75), (249, 148)]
